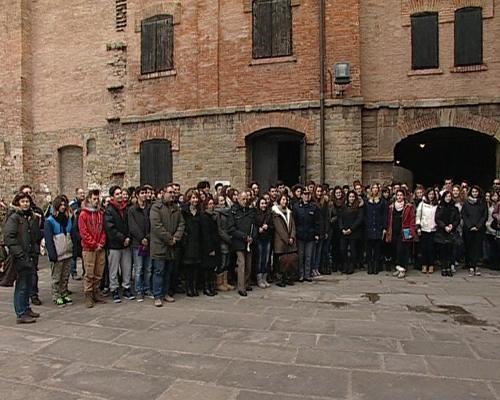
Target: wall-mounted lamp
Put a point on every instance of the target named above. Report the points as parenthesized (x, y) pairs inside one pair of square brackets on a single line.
[(342, 77)]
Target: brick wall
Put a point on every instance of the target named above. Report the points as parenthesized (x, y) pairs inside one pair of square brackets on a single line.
[(386, 52)]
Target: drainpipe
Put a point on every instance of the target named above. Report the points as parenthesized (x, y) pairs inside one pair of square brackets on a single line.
[(322, 90)]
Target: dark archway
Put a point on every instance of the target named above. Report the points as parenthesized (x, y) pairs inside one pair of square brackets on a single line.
[(156, 162), (277, 154), (459, 153)]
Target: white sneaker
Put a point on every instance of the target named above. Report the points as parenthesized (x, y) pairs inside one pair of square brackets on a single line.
[(262, 285), (453, 269), (471, 271), (399, 268), (477, 273), (401, 274)]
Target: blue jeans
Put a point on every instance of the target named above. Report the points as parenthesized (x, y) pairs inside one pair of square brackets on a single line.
[(264, 250), (318, 250), (306, 250), (143, 269), (24, 284), (161, 277)]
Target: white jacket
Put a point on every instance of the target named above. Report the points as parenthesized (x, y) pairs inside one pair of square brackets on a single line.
[(426, 217)]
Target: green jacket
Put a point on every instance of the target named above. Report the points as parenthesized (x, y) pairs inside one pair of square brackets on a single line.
[(167, 224)]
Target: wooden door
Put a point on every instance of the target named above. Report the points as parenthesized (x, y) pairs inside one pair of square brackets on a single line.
[(156, 163)]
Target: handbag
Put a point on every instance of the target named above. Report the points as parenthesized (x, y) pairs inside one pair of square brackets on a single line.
[(64, 246), (289, 262), (8, 273)]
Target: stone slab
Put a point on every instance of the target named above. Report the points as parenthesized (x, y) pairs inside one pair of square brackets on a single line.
[(464, 368), (336, 358), (176, 365), (110, 384), (257, 352), (373, 328), (286, 379), (234, 320), (370, 344), (305, 325), (21, 340), (191, 390), (95, 353), (451, 349), (405, 363), (15, 391), (382, 386)]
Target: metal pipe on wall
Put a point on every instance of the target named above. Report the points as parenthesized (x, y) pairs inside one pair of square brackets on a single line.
[(322, 89)]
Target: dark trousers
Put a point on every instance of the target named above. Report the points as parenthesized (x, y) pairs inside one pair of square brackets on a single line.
[(445, 255), (427, 249), (473, 247), (373, 249), (401, 251), (335, 250), (34, 279), (349, 250)]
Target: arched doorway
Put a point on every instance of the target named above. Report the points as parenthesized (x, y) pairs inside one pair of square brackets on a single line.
[(156, 162), (70, 169), (277, 154), (458, 153)]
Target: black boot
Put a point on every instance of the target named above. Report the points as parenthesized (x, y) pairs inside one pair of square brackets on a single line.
[(282, 281), (207, 291)]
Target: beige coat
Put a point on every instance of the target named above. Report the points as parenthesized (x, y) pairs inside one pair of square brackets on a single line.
[(284, 230)]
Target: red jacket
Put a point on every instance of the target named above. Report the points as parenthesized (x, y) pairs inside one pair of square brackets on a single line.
[(408, 223), (91, 227)]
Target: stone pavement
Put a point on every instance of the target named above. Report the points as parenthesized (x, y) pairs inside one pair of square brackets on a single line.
[(342, 337)]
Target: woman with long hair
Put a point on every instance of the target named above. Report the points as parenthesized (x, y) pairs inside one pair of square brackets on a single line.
[(401, 231), (210, 246), (350, 222), (337, 207), (447, 221), (192, 240), (375, 214), (285, 241), (474, 215), (264, 223), (324, 222), (426, 229)]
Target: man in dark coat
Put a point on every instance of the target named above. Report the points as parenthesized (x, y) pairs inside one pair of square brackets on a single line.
[(120, 257), (167, 230), (243, 231), (76, 206)]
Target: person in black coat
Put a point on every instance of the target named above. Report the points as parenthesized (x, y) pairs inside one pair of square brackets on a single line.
[(350, 222), (118, 242), (474, 215), (211, 246), (307, 226), (265, 234), (139, 229), (337, 208), (192, 240), (242, 229), (447, 221), (22, 236), (375, 215)]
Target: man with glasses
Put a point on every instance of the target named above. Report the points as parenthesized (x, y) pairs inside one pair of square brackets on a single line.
[(167, 229), (120, 256)]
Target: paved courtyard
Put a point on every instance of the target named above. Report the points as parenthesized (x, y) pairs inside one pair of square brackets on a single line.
[(356, 337)]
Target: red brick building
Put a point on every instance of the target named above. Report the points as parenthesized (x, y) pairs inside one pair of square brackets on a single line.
[(102, 91)]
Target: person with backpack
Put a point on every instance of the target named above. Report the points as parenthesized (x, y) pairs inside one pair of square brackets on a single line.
[(22, 236), (59, 244)]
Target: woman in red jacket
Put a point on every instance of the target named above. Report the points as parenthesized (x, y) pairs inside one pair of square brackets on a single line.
[(401, 231), (91, 227)]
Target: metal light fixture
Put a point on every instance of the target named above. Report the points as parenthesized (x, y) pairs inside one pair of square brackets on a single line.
[(422, 145), (342, 73)]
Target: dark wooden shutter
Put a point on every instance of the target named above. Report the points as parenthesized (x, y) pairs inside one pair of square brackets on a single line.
[(148, 46), (468, 36), (156, 163), (424, 41), (262, 28), (281, 28), (164, 43)]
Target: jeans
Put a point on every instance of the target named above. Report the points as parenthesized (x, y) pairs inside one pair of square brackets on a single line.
[(143, 270), (22, 291), (162, 270), (119, 261), (306, 250), (318, 250), (264, 250)]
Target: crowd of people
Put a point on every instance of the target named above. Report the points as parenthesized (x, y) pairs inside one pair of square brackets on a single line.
[(139, 243)]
